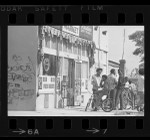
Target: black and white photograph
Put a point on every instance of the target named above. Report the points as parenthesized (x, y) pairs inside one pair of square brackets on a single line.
[(76, 71)]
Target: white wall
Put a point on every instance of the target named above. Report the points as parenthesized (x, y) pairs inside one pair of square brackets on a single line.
[(22, 52), (103, 39)]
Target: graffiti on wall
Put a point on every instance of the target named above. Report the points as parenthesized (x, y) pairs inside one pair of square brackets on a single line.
[(20, 79), (16, 92), (20, 71)]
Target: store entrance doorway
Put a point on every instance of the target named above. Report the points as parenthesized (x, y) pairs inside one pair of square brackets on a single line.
[(71, 82)]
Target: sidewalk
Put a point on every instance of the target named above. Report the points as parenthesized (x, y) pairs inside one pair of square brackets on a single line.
[(74, 111)]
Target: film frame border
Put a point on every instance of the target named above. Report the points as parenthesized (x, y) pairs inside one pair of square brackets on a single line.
[(111, 130)]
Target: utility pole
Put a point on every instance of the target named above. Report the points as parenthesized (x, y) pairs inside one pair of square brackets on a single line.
[(122, 61), (57, 70)]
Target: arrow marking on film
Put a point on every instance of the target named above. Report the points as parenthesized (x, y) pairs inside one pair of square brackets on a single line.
[(93, 130), (20, 131)]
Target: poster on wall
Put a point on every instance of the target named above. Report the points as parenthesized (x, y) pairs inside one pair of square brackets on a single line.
[(46, 84), (49, 65), (40, 83)]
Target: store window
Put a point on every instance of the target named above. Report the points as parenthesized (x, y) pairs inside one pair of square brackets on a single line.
[(64, 45), (84, 71), (79, 49), (59, 44), (86, 51), (84, 76), (69, 47), (83, 50), (65, 67), (75, 48), (53, 42)]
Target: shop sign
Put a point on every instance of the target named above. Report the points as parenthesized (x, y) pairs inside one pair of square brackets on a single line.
[(74, 30), (46, 84), (57, 27), (86, 32)]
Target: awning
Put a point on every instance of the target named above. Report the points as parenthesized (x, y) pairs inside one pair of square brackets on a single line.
[(50, 31)]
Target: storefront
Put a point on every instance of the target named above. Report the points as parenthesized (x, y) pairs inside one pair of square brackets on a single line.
[(65, 52)]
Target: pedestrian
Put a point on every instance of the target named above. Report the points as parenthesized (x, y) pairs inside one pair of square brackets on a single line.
[(133, 92), (132, 87), (103, 87), (120, 87), (126, 82), (96, 80), (140, 87), (112, 83)]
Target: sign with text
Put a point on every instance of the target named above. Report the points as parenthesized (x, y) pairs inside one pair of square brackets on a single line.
[(86, 32), (74, 30), (47, 84), (57, 27)]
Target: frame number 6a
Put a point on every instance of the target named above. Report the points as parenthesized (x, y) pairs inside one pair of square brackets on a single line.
[(32, 132)]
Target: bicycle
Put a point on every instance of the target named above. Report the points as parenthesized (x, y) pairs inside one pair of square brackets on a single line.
[(128, 99), (89, 102), (106, 103)]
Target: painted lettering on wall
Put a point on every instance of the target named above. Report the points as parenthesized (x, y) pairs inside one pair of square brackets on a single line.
[(21, 74), (16, 92), (26, 68)]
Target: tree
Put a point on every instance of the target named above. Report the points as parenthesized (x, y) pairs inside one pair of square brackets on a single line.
[(138, 38)]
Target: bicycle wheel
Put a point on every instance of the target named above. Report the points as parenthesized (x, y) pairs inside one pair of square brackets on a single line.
[(125, 101), (107, 105)]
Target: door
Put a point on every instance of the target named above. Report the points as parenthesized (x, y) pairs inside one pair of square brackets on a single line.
[(77, 83), (71, 81)]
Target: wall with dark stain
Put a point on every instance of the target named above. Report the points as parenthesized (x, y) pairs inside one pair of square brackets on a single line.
[(22, 52)]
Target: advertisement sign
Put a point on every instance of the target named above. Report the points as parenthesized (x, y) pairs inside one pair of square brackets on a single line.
[(46, 84), (49, 65), (86, 32), (57, 27), (74, 30)]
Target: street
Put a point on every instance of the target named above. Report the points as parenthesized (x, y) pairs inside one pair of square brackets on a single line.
[(75, 111)]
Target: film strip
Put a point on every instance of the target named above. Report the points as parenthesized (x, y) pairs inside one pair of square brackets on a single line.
[(22, 31)]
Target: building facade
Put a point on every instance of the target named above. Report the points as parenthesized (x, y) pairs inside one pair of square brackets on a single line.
[(53, 65), (66, 51)]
